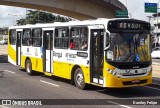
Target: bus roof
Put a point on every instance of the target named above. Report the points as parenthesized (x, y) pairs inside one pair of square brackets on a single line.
[(70, 23)]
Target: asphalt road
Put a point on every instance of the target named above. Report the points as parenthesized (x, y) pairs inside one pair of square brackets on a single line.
[(16, 84)]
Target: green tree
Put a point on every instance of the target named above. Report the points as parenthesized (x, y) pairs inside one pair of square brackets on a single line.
[(34, 17), (21, 22)]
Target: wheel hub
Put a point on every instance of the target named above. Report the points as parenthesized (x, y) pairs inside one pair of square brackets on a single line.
[(79, 79), (28, 67)]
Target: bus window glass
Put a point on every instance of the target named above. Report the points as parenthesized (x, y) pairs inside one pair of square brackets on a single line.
[(49, 40), (26, 38), (61, 38), (79, 38), (12, 37), (130, 47), (37, 37)]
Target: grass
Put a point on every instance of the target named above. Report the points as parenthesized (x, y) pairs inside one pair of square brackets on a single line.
[(1, 38)]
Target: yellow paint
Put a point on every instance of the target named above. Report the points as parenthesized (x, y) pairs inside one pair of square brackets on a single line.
[(106, 65), (63, 70), (37, 63), (114, 82), (11, 52), (48, 74)]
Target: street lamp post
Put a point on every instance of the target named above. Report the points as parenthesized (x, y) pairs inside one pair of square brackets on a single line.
[(149, 18), (157, 23), (14, 15), (130, 15)]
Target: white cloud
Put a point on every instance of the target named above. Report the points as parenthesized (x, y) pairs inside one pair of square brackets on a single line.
[(10, 14)]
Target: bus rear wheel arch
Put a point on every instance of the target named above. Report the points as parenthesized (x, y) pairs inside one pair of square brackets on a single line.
[(28, 66), (79, 78)]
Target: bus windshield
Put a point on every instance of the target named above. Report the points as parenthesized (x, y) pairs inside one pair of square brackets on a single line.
[(129, 47)]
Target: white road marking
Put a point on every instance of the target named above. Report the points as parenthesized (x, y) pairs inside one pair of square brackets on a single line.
[(9, 71), (152, 88), (119, 104), (49, 83), (2, 106)]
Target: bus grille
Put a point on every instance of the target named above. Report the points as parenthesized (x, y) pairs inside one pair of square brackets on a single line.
[(134, 74), (131, 83)]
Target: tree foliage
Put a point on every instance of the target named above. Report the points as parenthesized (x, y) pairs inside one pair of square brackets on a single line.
[(34, 17)]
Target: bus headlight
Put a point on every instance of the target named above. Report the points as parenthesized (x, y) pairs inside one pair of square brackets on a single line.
[(118, 75), (144, 71), (109, 70)]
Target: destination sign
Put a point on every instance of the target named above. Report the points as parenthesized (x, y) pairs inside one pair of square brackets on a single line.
[(128, 24)]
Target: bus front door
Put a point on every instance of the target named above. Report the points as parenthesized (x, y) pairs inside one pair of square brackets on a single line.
[(96, 56), (47, 52), (18, 48)]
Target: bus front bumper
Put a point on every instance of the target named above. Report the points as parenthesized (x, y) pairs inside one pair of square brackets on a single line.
[(114, 82)]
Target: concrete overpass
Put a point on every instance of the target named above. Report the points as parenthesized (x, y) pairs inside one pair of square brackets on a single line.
[(78, 9)]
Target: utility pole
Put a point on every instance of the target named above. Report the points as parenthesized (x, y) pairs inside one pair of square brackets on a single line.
[(157, 23), (14, 17), (149, 18)]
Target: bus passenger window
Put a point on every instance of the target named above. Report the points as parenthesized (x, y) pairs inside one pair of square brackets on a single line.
[(12, 37), (37, 37), (61, 38), (72, 45), (29, 42), (26, 38), (79, 36), (85, 45)]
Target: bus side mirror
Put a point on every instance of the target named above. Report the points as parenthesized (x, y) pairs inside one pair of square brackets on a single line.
[(107, 39), (107, 42)]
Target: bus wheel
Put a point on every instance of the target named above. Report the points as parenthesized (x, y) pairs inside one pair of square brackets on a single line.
[(79, 78), (29, 67)]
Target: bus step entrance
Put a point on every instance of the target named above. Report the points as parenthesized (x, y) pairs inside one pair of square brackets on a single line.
[(48, 74), (98, 81)]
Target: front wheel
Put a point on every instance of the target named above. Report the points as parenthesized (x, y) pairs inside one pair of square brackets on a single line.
[(79, 78), (29, 67)]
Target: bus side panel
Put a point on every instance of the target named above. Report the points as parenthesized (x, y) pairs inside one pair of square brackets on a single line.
[(86, 72), (12, 54), (23, 60), (34, 54), (37, 63), (61, 69)]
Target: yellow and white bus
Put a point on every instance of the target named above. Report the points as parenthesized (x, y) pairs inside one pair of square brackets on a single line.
[(112, 53)]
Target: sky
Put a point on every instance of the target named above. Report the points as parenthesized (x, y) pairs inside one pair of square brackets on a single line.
[(136, 8), (10, 14)]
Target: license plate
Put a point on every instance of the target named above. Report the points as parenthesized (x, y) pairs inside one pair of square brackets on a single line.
[(135, 81)]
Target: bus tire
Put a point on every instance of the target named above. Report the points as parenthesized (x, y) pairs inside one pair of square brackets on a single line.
[(29, 67), (79, 78)]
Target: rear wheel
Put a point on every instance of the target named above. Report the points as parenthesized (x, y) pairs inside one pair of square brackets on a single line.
[(29, 67), (79, 78)]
